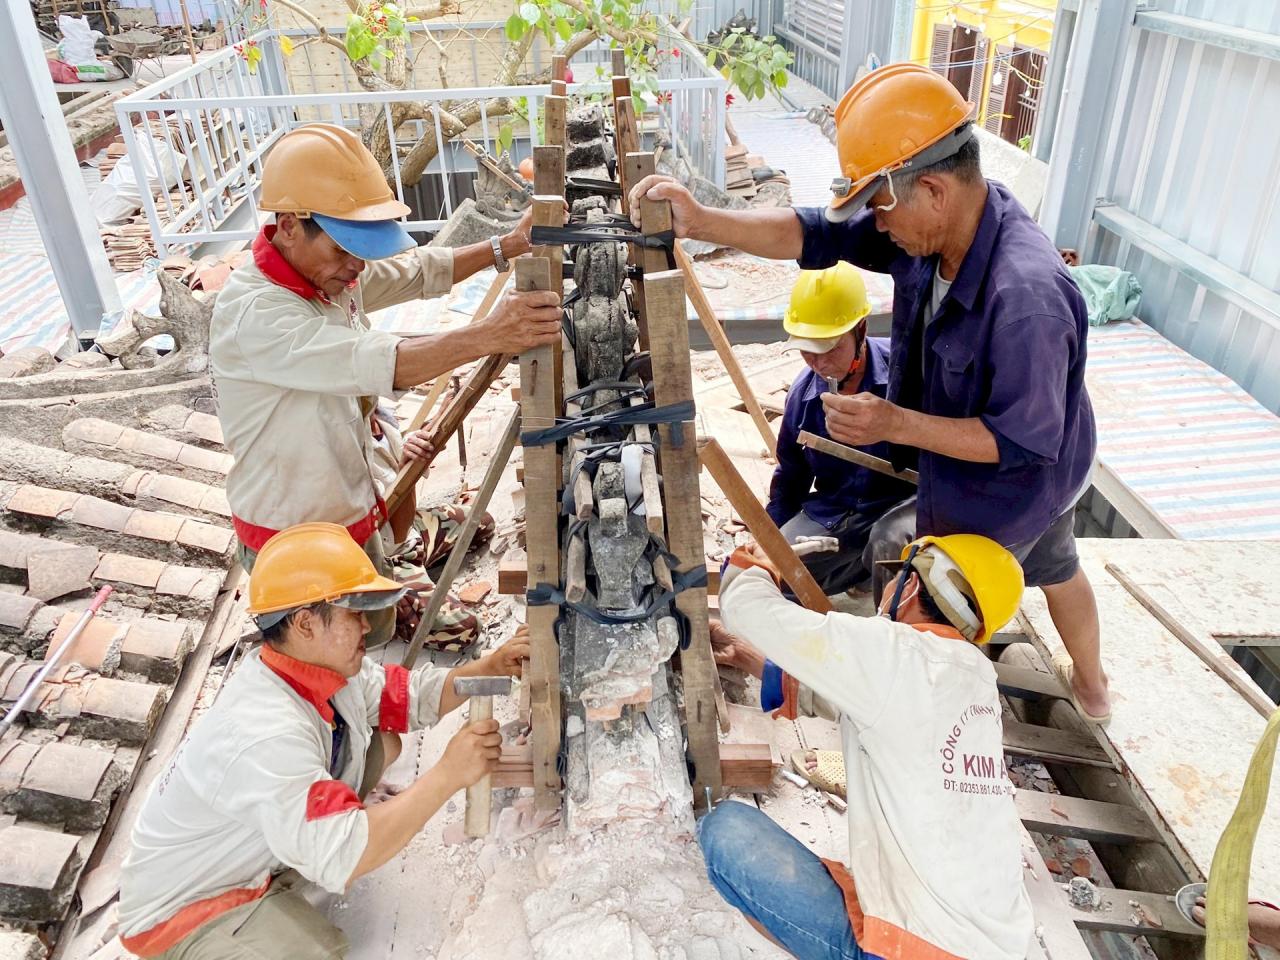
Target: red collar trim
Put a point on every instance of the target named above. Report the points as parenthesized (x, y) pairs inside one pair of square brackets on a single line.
[(277, 269), (312, 683), (938, 629)]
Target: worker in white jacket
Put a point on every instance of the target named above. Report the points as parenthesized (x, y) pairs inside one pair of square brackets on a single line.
[(268, 789), (935, 867)]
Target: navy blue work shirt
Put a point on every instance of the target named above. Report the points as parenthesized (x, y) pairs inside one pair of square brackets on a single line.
[(1007, 345), (826, 488)]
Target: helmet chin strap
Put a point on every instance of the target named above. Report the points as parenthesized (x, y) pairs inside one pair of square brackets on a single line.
[(856, 366), (903, 576)]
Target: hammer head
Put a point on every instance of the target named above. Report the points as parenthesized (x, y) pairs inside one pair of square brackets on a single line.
[(482, 686)]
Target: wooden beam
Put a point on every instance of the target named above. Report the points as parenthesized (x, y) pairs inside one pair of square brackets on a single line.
[(1206, 648), (843, 451), (1053, 746), (655, 215), (553, 115), (1057, 937), (1134, 912), (559, 67), (1058, 815), (548, 172), (673, 383), (538, 377), (715, 332), (1027, 683), (747, 766), (618, 60), (625, 132), (762, 527)]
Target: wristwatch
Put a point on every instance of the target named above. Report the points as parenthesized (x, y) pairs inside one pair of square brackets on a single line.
[(499, 261)]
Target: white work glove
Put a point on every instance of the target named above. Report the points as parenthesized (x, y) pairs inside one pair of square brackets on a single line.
[(804, 546)]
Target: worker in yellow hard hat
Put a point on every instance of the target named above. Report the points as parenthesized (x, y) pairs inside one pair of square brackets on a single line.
[(987, 395), (935, 863), (265, 796), (813, 494), (297, 368)]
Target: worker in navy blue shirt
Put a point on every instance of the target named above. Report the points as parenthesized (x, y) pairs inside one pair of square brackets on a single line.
[(814, 494), (986, 373)]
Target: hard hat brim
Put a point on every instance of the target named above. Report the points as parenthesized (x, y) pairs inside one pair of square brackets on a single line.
[(374, 596), (813, 344), (366, 239), (845, 208)]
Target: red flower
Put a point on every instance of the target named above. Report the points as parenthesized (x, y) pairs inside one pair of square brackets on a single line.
[(675, 52), (664, 97), (728, 100)]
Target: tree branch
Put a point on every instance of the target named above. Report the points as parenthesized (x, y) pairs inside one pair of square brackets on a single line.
[(620, 35)]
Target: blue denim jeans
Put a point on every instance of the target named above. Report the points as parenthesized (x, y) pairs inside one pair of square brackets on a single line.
[(776, 881)]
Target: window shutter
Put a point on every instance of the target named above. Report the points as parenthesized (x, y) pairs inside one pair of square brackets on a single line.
[(940, 51), (1032, 64), (997, 95), (963, 46), (979, 71)]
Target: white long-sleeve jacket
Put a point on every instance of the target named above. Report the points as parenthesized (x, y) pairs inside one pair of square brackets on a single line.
[(934, 837), (258, 786)]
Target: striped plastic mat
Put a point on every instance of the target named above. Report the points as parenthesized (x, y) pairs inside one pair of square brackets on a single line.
[(1188, 440)]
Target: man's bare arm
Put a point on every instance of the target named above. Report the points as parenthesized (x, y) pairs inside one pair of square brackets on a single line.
[(770, 232)]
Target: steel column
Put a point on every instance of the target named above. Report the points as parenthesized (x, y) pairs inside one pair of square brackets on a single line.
[(50, 174), (1102, 33)]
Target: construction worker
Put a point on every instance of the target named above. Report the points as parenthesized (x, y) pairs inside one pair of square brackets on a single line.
[(297, 368), (986, 372), (813, 494), (267, 789), (935, 861)]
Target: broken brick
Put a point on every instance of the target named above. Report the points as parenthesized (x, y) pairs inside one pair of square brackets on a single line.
[(37, 501), (98, 646), (14, 548), (38, 870), (153, 525), (16, 611), (59, 569), (103, 514), (87, 360), (136, 571), (93, 430), (17, 756), (205, 536), (119, 710), (67, 784), (475, 592), (155, 649), (1081, 867)]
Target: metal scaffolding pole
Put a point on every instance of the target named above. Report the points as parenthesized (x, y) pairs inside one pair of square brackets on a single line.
[(50, 174)]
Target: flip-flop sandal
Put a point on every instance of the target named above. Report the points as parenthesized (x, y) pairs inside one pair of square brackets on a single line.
[(1185, 899), (1063, 667), (829, 774)]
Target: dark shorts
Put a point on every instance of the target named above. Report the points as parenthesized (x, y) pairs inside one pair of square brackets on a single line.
[(1050, 558)]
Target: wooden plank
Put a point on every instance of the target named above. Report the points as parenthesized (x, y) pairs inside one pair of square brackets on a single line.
[(853, 455), (538, 378), (626, 134), (1134, 912), (1055, 931), (1093, 820), (548, 172), (747, 766), (559, 67), (618, 60), (673, 383), (715, 332), (1131, 506), (655, 215), (762, 527), (553, 115), (1207, 649), (1052, 745)]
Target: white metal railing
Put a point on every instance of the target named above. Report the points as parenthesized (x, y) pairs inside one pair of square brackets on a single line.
[(217, 121)]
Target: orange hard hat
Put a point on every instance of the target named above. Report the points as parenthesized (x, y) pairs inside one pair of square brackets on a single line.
[(315, 563), (321, 168), (897, 116), (526, 168)]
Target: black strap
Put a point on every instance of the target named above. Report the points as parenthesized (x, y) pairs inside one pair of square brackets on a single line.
[(601, 233), (643, 413), (605, 188)]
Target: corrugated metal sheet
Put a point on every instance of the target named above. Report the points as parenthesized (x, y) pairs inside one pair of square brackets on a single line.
[(1194, 151)]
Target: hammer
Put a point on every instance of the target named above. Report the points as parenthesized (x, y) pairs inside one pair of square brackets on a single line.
[(481, 690)]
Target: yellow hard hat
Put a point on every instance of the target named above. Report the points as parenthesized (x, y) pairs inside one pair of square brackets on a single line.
[(824, 305), (898, 115), (966, 566), (312, 563)]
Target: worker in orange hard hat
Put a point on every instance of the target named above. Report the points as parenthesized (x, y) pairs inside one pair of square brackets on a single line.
[(267, 791), (298, 369), (986, 395)]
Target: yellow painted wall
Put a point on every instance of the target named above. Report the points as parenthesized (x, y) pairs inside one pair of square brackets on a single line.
[(1027, 23)]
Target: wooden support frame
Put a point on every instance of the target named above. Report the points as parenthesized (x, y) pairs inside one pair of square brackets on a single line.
[(762, 527), (678, 456), (539, 374)]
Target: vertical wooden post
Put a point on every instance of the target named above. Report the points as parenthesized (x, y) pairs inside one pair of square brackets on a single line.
[(559, 64), (673, 383), (618, 60), (626, 133), (539, 374), (553, 115)]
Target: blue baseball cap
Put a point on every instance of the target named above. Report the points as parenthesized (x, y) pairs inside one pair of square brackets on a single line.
[(366, 239)]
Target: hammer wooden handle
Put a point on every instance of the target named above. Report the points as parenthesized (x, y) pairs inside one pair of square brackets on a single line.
[(480, 793)]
